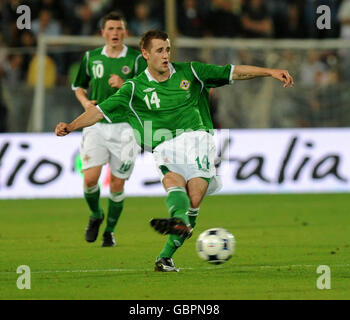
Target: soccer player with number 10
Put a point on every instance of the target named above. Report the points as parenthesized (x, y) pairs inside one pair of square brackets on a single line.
[(104, 70)]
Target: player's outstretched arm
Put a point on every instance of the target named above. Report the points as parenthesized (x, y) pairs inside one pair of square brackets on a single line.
[(243, 72), (86, 119), (83, 99)]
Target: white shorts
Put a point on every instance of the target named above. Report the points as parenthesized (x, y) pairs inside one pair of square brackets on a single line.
[(192, 155), (109, 143)]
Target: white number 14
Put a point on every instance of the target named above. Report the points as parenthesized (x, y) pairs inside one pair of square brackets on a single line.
[(154, 100)]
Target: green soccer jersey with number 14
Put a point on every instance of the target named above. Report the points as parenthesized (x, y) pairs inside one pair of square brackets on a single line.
[(160, 111), (96, 68)]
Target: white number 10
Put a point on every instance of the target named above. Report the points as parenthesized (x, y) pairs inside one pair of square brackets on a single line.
[(154, 100)]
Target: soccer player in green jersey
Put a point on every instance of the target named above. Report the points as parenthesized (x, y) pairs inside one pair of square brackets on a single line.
[(104, 70), (162, 104)]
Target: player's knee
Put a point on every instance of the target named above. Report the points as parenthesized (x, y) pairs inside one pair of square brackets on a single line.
[(116, 184), (90, 182), (173, 179)]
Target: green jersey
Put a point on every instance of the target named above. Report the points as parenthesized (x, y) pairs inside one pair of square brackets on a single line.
[(204, 109), (160, 111), (96, 68)]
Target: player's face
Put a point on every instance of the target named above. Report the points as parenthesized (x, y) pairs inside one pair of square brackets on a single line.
[(158, 55), (114, 32)]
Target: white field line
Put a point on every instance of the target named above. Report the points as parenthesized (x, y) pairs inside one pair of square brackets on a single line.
[(295, 266)]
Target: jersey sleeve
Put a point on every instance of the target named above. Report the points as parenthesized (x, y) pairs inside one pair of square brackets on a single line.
[(82, 79), (120, 99), (140, 64), (212, 76)]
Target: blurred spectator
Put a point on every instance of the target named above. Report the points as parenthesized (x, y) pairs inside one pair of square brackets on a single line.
[(50, 72), (294, 21), (344, 19), (321, 99), (256, 20), (71, 20), (191, 24), (312, 70), (278, 11), (45, 24), (88, 14), (51, 5), (190, 20), (142, 20), (127, 8), (8, 21), (12, 70), (97, 7), (223, 20), (86, 23), (27, 40), (322, 106), (286, 17)]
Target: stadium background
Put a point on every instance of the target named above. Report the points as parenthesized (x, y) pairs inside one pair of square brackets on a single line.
[(284, 141)]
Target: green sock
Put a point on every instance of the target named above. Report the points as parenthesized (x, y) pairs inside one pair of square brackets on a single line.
[(192, 215), (178, 204), (173, 243), (115, 207), (92, 197)]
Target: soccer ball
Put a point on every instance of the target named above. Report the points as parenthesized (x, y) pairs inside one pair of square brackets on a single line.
[(215, 245)]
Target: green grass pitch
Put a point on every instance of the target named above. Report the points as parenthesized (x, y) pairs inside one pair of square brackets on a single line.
[(280, 242)]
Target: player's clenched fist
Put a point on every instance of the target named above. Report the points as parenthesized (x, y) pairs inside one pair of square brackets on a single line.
[(283, 76), (62, 129), (115, 81)]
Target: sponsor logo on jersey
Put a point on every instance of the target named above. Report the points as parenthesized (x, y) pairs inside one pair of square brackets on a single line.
[(149, 90), (184, 84), (97, 61), (126, 69)]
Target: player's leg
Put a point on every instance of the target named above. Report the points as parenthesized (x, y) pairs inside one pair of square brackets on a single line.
[(92, 190), (179, 166), (92, 197), (196, 189), (178, 204), (123, 153), (202, 177), (93, 156), (115, 208)]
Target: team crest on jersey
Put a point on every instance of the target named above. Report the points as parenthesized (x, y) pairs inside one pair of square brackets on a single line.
[(126, 69), (184, 84)]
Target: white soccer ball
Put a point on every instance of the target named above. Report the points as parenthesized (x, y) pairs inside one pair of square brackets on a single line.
[(215, 245)]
